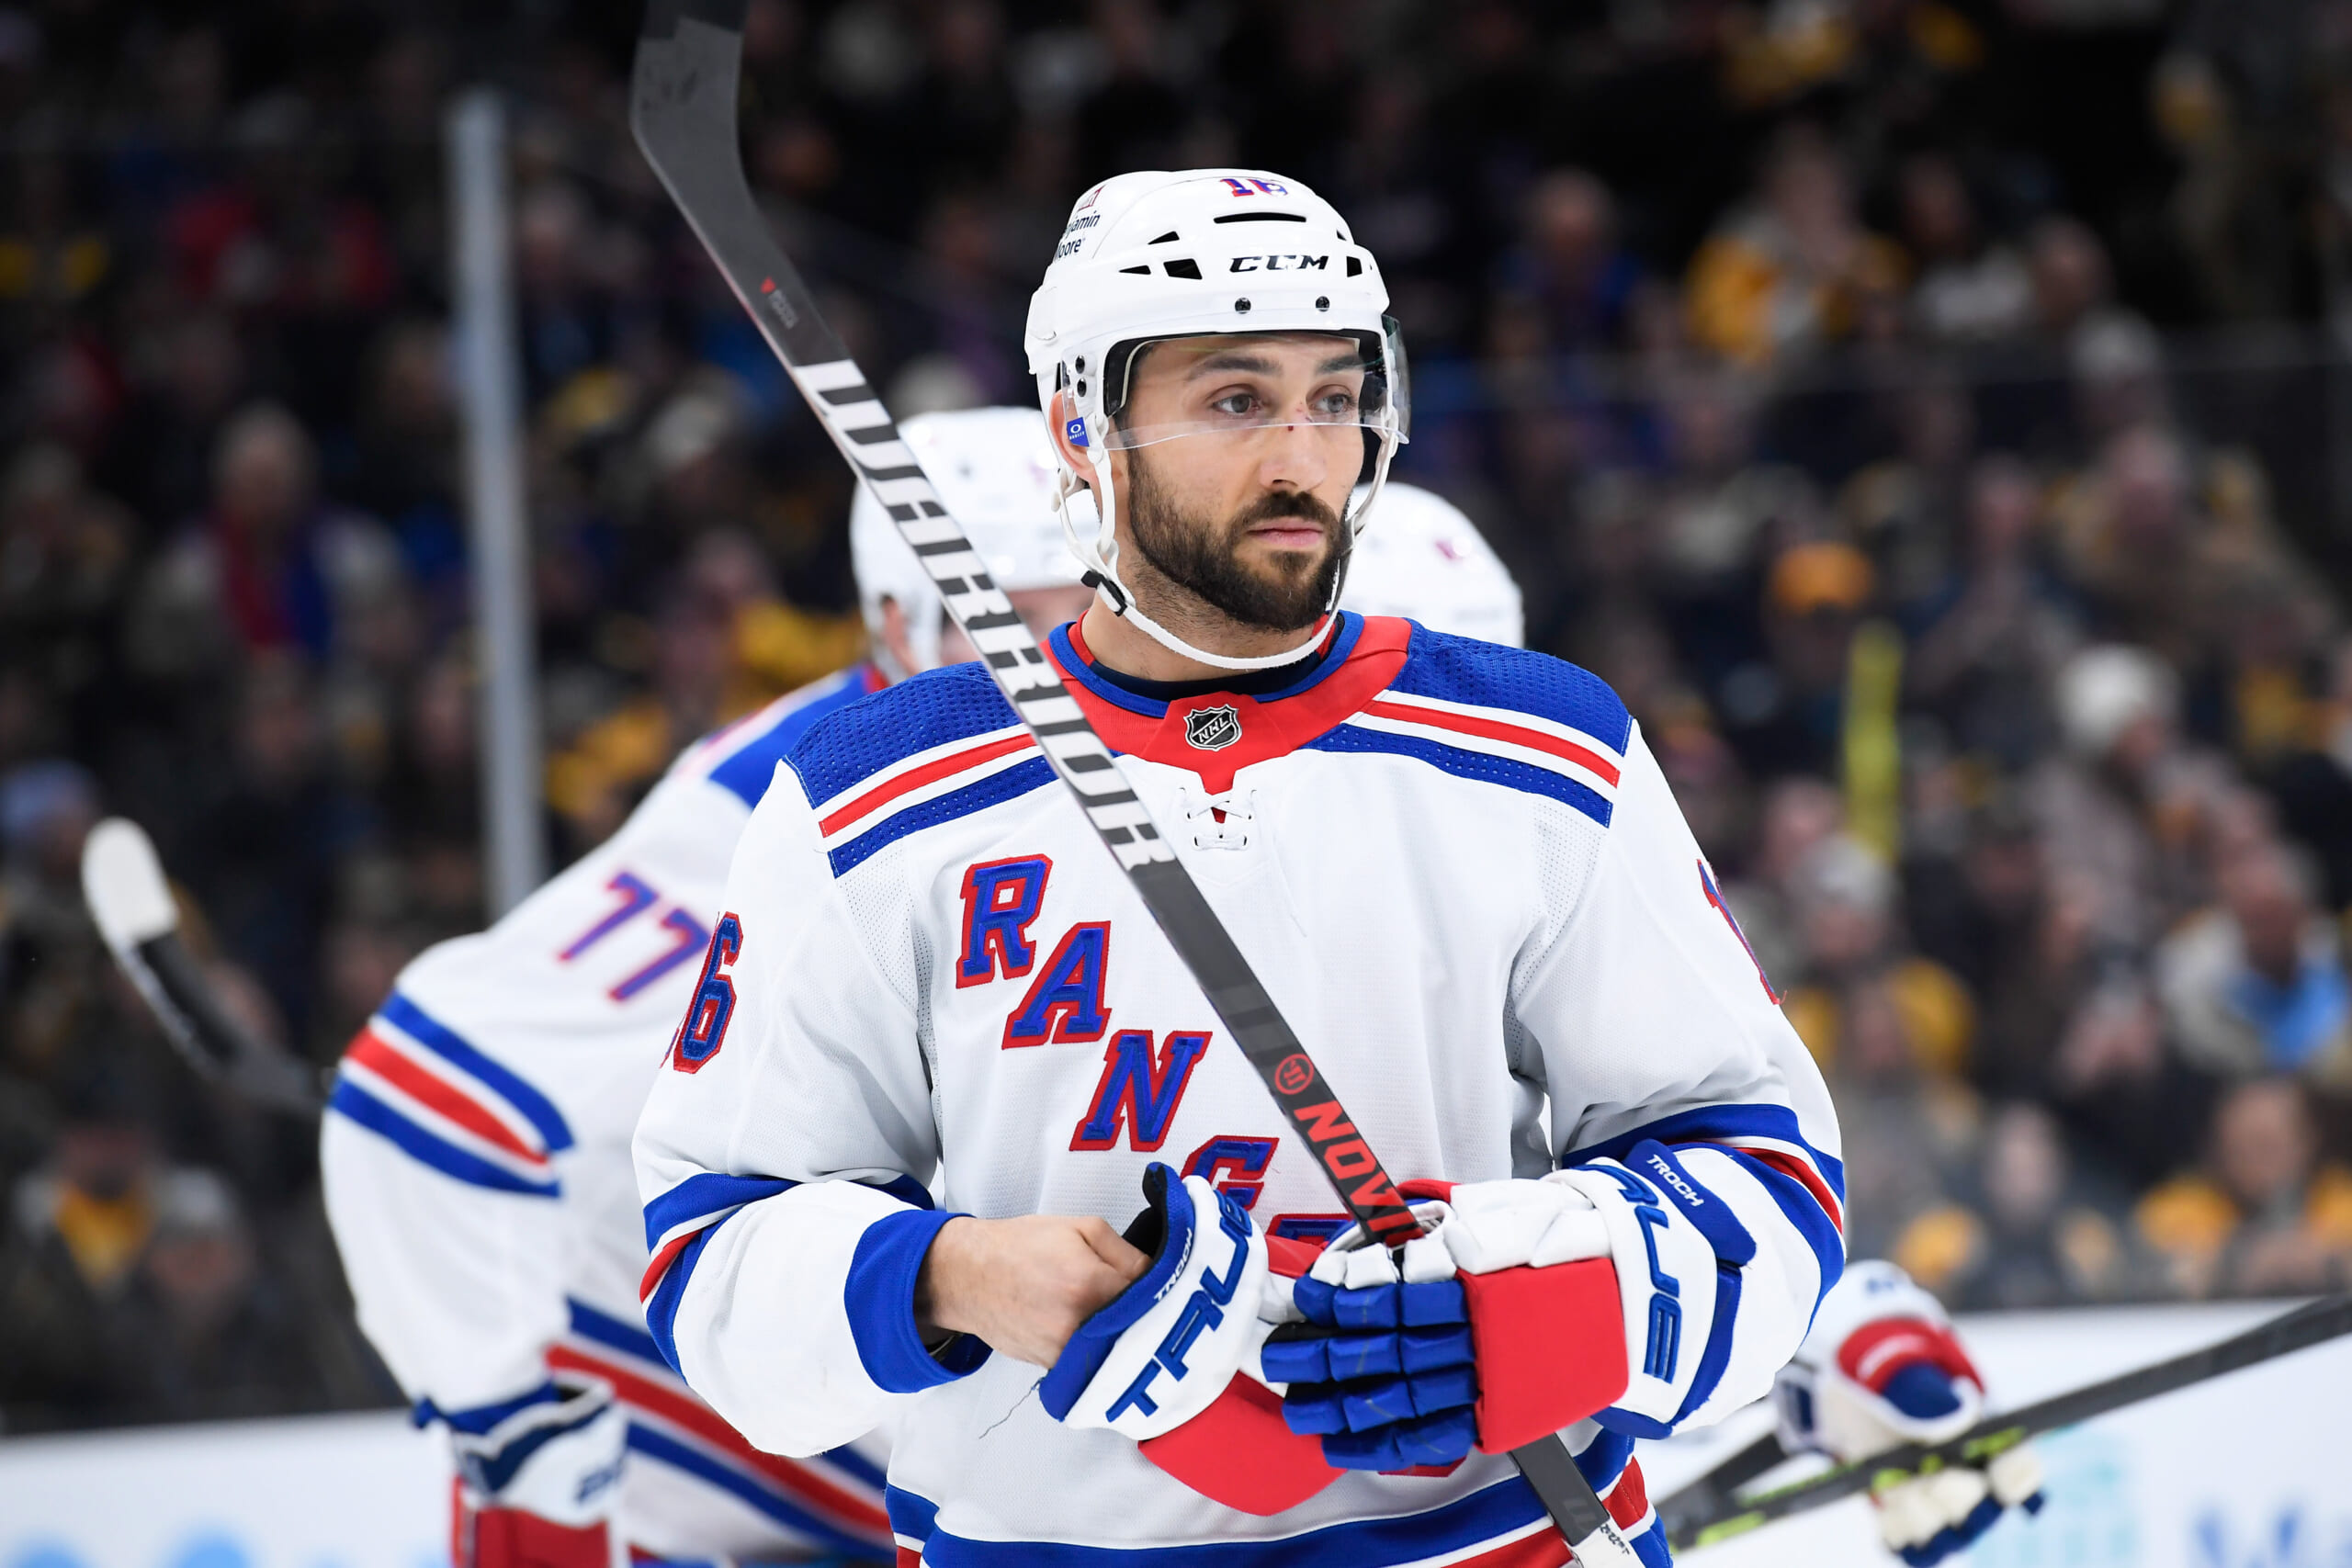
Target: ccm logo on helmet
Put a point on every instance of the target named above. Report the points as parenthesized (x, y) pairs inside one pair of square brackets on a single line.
[(1286, 263)]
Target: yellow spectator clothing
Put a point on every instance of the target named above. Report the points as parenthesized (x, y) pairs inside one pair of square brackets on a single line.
[(104, 1236), (1938, 1017)]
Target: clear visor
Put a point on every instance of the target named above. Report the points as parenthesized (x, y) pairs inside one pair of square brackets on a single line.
[(1246, 386)]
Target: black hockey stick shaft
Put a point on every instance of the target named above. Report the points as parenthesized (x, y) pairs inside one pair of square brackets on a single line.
[(2311, 1323), (1706, 1499), (213, 1041), (133, 907), (683, 98)]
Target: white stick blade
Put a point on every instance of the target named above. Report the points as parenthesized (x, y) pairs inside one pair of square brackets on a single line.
[(123, 882)]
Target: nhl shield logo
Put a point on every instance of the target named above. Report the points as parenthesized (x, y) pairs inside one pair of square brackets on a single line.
[(1213, 729)]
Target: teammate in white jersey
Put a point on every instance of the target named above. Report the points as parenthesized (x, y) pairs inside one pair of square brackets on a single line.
[(1458, 871), (476, 1152)]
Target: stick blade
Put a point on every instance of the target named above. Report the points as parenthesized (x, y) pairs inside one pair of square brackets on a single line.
[(123, 882)]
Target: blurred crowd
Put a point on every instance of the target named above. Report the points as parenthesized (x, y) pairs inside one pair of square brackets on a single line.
[(1925, 412)]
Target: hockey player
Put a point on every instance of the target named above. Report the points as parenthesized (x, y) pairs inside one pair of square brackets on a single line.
[(476, 1149), (1456, 867)]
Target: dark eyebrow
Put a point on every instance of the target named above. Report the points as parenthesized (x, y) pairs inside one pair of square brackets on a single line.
[(1234, 359), (1258, 364)]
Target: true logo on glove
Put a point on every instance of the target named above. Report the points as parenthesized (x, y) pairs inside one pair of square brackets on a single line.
[(1204, 1312), (1664, 1346)]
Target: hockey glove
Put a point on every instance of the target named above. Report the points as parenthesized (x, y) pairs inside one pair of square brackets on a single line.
[(1384, 1368), (1527, 1306), (1881, 1367), (536, 1484), (1162, 1362)]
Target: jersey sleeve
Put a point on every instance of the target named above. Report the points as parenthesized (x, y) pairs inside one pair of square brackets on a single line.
[(783, 1151), (470, 1120), (1653, 1021), (447, 1203)]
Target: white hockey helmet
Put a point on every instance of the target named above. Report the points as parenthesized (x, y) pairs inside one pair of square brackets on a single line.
[(1429, 563), (1155, 255), (995, 469)]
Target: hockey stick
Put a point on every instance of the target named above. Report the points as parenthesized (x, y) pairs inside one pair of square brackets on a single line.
[(1706, 1499), (1704, 1520), (123, 884), (683, 111)]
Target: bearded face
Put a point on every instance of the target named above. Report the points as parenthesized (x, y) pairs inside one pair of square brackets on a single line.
[(1222, 562)]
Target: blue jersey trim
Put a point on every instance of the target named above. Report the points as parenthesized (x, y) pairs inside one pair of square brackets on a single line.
[(1804, 1211), (1486, 674), (858, 1466), (612, 1333), (662, 1306), (1494, 1510), (555, 1133), (861, 739), (1335, 651), (879, 1298), (1362, 1543), (912, 1516), (1066, 655), (1342, 644), (477, 1419), (704, 1193), (1709, 1123), (427, 1148), (710, 1193), (661, 1446), (1011, 784), (1481, 766), (746, 771)]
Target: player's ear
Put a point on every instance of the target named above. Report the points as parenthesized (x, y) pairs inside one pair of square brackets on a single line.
[(1064, 412)]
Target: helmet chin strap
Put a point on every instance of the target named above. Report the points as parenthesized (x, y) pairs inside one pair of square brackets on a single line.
[(1099, 556)]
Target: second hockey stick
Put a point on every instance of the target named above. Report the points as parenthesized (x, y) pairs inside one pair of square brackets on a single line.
[(683, 97), (1694, 1516), (122, 882)]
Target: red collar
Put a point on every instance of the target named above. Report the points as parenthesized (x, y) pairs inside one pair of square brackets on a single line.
[(1270, 728)]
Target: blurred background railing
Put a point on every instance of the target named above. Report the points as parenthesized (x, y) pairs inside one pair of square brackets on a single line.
[(1932, 415)]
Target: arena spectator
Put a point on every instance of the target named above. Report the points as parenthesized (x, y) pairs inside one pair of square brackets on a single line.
[(1969, 287), (202, 1334), (1794, 270), (2255, 985), (2266, 1213), (2031, 1240)]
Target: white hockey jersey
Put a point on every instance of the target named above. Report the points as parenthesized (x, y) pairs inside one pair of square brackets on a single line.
[(1459, 872), (476, 1163)]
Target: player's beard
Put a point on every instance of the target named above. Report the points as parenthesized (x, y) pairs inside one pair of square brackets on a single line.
[(1204, 558)]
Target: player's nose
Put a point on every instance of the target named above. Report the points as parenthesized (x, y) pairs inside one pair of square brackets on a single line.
[(1297, 455)]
